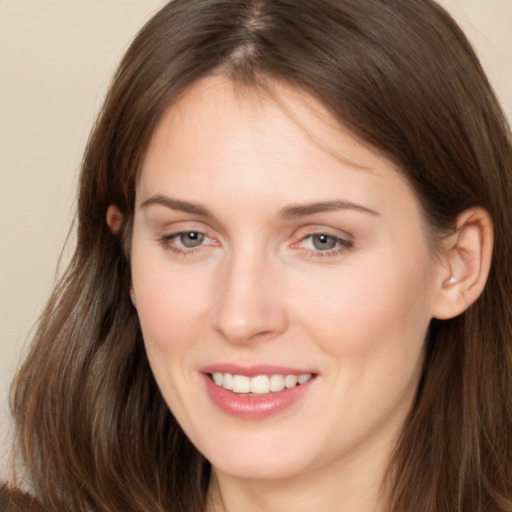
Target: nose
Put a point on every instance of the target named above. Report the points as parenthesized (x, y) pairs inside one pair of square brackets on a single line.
[(249, 307)]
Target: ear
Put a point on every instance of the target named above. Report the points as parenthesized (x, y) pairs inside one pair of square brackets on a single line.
[(132, 296), (465, 264), (114, 219)]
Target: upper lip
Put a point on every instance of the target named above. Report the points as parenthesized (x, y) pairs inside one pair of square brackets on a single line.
[(254, 370)]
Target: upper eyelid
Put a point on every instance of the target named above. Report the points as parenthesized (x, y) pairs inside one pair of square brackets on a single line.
[(168, 227), (176, 234), (343, 241), (330, 235), (183, 231), (307, 231)]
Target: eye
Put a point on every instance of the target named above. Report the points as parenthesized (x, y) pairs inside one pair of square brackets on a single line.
[(184, 242), (190, 239), (324, 244)]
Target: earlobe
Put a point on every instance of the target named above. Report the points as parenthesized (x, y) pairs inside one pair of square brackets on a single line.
[(466, 264), (114, 219)]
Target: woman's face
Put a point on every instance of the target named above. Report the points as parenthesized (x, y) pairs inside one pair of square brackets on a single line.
[(270, 247)]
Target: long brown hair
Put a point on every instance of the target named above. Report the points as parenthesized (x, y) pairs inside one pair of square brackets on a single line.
[(93, 429)]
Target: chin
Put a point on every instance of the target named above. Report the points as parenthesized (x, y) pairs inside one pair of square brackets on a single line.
[(264, 460), (259, 470)]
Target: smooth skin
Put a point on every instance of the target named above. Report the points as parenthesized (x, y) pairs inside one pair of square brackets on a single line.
[(265, 233)]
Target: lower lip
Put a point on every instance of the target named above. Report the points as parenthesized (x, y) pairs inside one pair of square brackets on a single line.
[(254, 407)]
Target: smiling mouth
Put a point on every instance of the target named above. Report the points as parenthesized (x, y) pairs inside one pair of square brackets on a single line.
[(260, 384)]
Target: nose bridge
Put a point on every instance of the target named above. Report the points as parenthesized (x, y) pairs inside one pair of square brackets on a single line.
[(248, 306)]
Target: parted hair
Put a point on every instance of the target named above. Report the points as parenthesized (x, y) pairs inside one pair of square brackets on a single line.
[(93, 431)]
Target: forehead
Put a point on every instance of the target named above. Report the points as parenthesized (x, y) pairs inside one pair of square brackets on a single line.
[(219, 141), (271, 108)]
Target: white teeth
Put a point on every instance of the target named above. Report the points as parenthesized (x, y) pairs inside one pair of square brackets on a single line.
[(261, 384), (241, 384), (290, 381), (303, 378), (276, 383), (228, 381)]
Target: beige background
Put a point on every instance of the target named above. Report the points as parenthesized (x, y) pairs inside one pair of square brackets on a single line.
[(56, 60)]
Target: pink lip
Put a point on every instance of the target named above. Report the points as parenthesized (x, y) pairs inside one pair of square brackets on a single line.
[(253, 371), (253, 407)]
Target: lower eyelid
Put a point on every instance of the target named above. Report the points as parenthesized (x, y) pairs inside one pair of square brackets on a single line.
[(329, 252)]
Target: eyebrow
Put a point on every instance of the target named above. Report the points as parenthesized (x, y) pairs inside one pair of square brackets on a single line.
[(175, 204), (300, 210), (289, 212)]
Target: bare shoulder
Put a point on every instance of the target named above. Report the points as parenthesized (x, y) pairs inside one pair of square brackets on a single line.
[(16, 500)]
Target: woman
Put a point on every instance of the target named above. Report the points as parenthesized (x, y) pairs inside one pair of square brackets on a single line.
[(291, 287)]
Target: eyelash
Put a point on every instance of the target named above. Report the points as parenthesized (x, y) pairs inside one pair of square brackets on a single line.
[(342, 244)]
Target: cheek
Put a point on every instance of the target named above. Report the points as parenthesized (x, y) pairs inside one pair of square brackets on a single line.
[(170, 304), (377, 308), (169, 301), (373, 326)]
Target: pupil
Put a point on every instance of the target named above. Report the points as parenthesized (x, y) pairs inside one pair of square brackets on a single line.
[(324, 242)]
